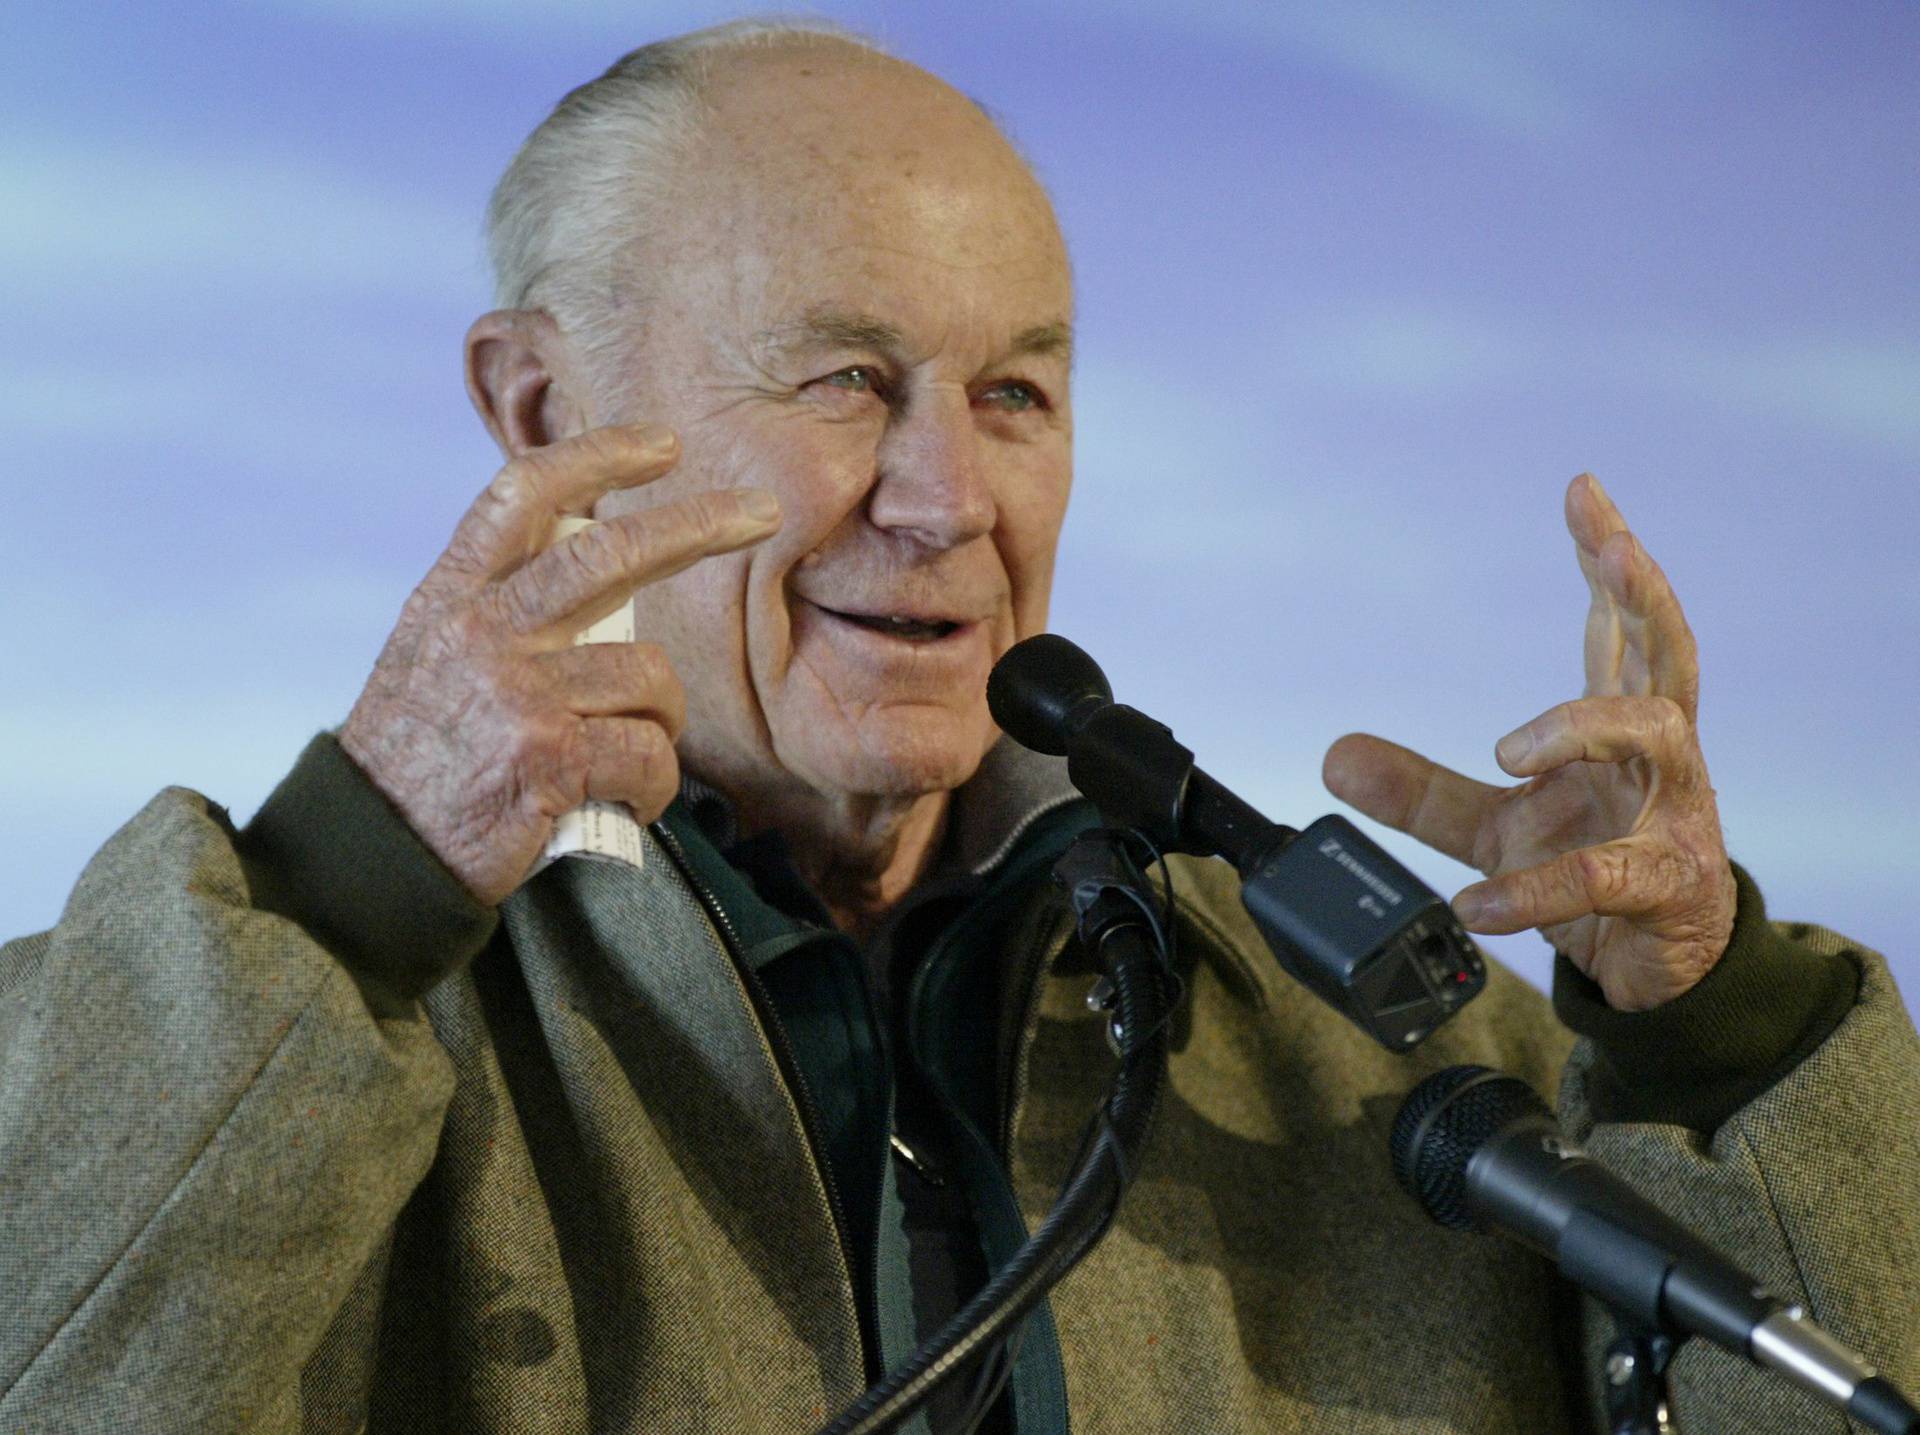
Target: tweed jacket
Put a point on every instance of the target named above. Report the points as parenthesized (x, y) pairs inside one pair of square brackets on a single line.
[(419, 1171)]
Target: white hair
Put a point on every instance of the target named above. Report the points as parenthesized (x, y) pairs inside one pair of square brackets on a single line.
[(578, 192)]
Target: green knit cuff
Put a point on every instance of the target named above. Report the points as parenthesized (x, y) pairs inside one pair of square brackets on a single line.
[(1697, 1059), (327, 850)]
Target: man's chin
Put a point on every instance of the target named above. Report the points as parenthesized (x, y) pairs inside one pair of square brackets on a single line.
[(905, 752)]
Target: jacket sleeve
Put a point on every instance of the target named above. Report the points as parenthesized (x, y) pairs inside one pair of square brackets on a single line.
[(215, 1097), (1775, 1110)]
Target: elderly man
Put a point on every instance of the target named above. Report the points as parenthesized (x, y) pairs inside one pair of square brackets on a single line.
[(363, 1117)]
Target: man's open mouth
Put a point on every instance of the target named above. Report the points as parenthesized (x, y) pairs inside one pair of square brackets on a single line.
[(921, 630)]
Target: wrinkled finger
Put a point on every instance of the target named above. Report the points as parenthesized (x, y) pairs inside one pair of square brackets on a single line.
[(586, 576), (1608, 729), (1592, 517), (1612, 665), (513, 517), (1637, 636), (618, 679), (1408, 792), (1615, 879), (630, 760), (1654, 626)]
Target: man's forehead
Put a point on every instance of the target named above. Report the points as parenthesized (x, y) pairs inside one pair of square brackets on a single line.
[(811, 230), (788, 150)]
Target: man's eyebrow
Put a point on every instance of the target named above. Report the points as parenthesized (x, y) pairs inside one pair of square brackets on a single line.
[(833, 329), (1053, 340), (851, 329)]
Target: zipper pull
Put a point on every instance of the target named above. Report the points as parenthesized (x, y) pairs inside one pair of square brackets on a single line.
[(913, 1158)]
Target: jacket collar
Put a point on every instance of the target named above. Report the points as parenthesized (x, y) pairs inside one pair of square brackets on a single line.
[(1012, 789)]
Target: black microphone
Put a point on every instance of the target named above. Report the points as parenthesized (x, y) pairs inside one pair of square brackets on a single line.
[(1340, 915), (1479, 1149)]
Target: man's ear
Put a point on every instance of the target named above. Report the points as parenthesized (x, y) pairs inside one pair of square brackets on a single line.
[(521, 381)]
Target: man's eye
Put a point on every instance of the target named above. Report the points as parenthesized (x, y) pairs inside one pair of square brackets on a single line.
[(1015, 396), (858, 379)]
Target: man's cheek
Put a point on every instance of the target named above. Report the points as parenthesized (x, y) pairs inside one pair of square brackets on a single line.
[(1030, 575)]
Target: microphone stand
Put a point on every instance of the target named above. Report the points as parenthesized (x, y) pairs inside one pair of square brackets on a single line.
[(1634, 1374)]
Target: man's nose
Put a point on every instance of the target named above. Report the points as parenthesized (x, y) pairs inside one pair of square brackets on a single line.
[(932, 482)]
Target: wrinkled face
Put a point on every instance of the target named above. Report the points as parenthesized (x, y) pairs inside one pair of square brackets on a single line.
[(863, 307)]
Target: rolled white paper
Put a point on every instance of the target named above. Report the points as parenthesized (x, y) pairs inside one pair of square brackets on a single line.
[(606, 830)]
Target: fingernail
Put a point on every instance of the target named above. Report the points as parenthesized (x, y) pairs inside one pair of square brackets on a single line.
[(1598, 490), (1514, 747), (759, 505), (1470, 907)]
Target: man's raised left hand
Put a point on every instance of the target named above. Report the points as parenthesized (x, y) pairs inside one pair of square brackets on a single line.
[(1612, 846)]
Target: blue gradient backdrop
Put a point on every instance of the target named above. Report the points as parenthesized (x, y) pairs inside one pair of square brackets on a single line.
[(1361, 287)]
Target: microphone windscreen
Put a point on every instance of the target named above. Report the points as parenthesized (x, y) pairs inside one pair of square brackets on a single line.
[(1043, 690), (1443, 1121)]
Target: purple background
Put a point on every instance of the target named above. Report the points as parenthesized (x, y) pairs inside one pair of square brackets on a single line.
[(1361, 287)]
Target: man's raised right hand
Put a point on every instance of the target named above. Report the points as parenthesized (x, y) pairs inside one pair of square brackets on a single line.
[(482, 722)]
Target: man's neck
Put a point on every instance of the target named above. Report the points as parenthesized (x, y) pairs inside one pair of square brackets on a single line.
[(860, 855)]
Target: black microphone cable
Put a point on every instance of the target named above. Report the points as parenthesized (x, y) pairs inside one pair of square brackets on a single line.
[(997, 1370), (1131, 945)]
